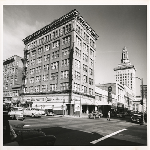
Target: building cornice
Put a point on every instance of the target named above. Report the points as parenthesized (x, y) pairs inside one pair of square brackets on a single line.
[(11, 59), (123, 67), (59, 22)]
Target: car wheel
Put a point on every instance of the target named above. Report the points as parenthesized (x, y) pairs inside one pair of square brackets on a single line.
[(89, 117), (45, 114), (33, 115), (99, 116)]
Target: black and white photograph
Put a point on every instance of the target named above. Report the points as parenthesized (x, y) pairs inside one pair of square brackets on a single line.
[(75, 75)]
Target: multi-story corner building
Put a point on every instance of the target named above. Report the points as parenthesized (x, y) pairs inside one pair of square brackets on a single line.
[(12, 77), (125, 72), (59, 65)]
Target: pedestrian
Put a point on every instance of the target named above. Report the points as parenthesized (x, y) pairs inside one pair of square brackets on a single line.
[(108, 117)]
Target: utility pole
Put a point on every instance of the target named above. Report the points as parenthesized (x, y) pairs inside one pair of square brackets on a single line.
[(142, 100)]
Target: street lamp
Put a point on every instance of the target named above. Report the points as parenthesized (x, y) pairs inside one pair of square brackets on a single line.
[(142, 96)]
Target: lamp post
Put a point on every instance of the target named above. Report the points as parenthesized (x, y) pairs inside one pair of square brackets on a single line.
[(142, 97)]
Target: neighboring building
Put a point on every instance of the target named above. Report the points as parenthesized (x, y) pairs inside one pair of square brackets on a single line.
[(12, 77), (59, 65), (101, 100), (122, 97), (125, 72)]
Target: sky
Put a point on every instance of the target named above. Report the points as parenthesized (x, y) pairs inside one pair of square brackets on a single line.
[(116, 25)]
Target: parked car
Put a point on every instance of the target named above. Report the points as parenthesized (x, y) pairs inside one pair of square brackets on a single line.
[(31, 112), (42, 112), (121, 115), (95, 114), (14, 134), (138, 117), (16, 113), (49, 112)]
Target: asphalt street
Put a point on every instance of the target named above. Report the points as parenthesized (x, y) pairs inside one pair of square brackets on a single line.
[(74, 131)]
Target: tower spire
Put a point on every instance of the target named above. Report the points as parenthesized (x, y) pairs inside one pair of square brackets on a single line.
[(125, 58)]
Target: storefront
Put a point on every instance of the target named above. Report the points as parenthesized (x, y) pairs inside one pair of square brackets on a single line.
[(120, 107)]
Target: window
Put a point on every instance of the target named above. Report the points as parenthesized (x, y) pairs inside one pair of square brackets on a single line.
[(91, 71), (55, 54), (65, 51), (45, 77), (32, 71), (66, 40), (54, 76), (64, 86), (44, 88), (90, 81), (90, 91), (77, 52), (85, 78), (77, 63), (65, 62), (39, 60), (92, 44), (32, 62), (85, 68), (32, 80), (40, 50), (78, 41), (53, 87), (47, 47), (84, 89), (85, 57), (54, 65), (38, 78), (33, 53), (77, 75), (37, 88), (76, 87), (55, 44), (91, 62), (31, 88), (38, 69), (64, 74), (91, 52)]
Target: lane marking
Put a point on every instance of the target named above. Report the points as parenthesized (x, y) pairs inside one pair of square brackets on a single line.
[(26, 125), (107, 136)]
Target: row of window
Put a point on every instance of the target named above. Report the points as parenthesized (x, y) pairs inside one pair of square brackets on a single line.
[(7, 66), (47, 47), (49, 37), (84, 88), (53, 87), (84, 35), (8, 93)]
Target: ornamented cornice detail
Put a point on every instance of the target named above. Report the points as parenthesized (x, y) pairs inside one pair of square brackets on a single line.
[(59, 22)]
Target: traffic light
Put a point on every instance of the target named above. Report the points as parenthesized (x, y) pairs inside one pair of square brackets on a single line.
[(141, 102), (109, 94)]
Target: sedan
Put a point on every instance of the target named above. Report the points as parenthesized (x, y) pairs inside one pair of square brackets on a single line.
[(16, 113), (95, 114), (31, 112)]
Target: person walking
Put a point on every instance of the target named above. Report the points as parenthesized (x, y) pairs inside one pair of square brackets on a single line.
[(108, 117)]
